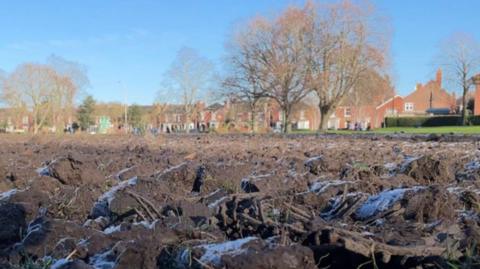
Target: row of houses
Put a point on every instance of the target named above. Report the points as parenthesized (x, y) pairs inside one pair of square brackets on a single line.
[(233, 115), (425, 99), (428, 99)]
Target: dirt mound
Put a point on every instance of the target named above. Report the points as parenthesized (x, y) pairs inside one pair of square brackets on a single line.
[(427, 169), (266, 202), (12, 221), (316, 165), (70, 171)]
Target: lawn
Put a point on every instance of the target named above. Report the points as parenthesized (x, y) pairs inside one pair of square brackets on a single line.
[(430, 130), (410, 130)]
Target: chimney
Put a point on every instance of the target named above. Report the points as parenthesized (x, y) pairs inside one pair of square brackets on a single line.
[(439, 78), (476, 82), (419, 85)]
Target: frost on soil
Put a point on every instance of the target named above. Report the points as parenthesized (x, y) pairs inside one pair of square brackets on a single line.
[(381, 202), (104, 260), (109, 195), (6, 195), (321, 186), (214, 252)]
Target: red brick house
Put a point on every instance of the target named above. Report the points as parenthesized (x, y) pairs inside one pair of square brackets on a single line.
[(428, 96), (476, 82), (12, 120), (420, 102), (268, 115)]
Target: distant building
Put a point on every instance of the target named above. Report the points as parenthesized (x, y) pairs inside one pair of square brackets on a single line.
[(426, 99), (476, 82)]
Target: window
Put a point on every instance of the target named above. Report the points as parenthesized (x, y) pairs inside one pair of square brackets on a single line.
[(391, 112), (348, 112), (408, 106)]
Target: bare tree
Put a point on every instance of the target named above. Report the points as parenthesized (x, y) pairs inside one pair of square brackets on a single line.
[(188, 78), (41, 91), (3, 78), (341, 46), (272, 52), (157, 113), (242, 82), (72, 79), (371, 88), (460, 60), (77, 72), (31, 86)]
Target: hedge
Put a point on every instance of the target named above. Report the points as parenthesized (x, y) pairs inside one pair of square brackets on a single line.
[(432, 121)]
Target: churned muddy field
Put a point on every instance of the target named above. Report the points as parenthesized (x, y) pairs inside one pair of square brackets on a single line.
[(239, 201)]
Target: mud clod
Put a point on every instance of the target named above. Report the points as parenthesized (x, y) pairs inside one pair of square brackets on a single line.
[(266, 202), (12, 223)]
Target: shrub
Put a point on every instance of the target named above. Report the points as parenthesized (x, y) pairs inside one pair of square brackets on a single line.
[(429, 121), (474, 120)]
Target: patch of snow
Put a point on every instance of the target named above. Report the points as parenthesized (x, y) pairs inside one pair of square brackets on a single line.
[(147, 224), (433, 224), (213, 252), (118, 228), (407, 161), (170, 169), (35, 226), (455, 190), (273, 241), (6, 195), (472, 166), (379, 222), (459, 190), (381, 202), (253, 178), (113, 229), (59, 263), (292, 173), (335, 202), (313, 159), (104, 260), (391, 168), (109, 195), (43, 171), (365, 233), (214, 193), (321, 186), (468, 215), (121, 172), (217, 202), (260, 177), (276, 212)]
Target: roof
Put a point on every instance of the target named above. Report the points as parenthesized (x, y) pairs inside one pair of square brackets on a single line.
[(476, 79), (215, 106), (175, 109), (388, 101), (438, 111)]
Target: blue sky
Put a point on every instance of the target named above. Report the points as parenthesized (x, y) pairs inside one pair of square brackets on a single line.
[(135, 41)]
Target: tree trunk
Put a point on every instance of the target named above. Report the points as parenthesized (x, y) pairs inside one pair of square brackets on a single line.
[(286, 128), (35, 123), (252, 119), (464, 106), (324, 115)]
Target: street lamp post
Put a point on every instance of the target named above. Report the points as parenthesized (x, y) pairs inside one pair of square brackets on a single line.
[(125, 124)]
